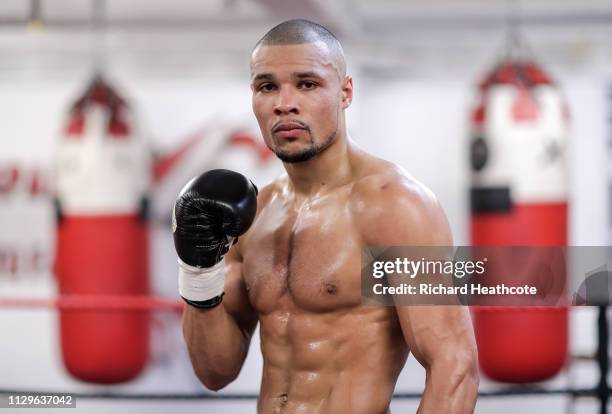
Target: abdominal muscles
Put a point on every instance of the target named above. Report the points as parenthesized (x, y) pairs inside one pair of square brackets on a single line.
[(346, 361)]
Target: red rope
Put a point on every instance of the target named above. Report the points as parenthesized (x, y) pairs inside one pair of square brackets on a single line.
[(95, 302)]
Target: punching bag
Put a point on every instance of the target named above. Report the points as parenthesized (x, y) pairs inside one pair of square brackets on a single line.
[(102, 244), (519, 198)]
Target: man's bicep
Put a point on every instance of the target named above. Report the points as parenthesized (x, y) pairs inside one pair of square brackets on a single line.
[(236, 299), (437, 332)]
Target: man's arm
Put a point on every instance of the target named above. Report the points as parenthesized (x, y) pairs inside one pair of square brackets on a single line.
[(401, 212), (212, 210), (441, 339), (218, 339)]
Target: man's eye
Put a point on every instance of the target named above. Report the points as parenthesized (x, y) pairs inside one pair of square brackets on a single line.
[(266, 87), (308, 85)]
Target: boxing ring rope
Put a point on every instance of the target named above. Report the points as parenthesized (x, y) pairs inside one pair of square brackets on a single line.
[(104, 302), (97, 302)]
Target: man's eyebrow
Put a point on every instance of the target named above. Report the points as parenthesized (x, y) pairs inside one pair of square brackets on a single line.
[(308, 74), (263, 76)]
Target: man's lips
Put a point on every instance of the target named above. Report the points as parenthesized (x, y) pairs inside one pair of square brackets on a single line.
[(287, 126), (288, 129)]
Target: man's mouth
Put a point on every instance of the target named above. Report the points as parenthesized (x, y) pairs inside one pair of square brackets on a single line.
[(288, 129)]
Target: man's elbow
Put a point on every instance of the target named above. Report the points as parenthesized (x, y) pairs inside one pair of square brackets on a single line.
[(214, 381), (214, 384), (216, 374)]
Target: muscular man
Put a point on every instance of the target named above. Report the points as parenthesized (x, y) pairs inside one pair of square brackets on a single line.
[(296, 270)]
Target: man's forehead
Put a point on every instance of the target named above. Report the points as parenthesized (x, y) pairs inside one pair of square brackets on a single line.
[(265, 57)]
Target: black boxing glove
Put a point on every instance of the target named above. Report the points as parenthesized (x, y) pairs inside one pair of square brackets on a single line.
[(210, 212)]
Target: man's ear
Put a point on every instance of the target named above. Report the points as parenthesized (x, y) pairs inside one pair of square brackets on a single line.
[(347, 92)]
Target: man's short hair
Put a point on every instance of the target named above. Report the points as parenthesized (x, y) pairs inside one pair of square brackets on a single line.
[(299, 31)]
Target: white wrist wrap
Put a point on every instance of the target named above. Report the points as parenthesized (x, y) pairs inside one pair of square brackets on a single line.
[(201, 283)]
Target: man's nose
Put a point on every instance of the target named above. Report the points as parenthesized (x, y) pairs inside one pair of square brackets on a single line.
[(286, 102)]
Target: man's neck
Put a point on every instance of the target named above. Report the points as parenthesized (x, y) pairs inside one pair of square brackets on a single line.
[(323, 172)]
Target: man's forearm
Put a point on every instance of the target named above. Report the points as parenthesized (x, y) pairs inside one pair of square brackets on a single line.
[(450, 389), (216, 344)]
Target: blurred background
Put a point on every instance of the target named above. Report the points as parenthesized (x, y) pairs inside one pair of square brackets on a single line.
[(107, 107)]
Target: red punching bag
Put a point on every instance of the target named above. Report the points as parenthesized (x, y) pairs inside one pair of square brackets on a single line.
[(102, 243), (519, 198)]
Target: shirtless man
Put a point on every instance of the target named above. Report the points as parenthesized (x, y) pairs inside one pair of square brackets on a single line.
[(297, 269)]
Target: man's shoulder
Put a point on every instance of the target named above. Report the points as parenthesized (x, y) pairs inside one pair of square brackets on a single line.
[(275, 187), (389, 207), (384, 184)]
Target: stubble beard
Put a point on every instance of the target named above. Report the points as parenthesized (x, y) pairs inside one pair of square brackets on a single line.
[(307, 153)]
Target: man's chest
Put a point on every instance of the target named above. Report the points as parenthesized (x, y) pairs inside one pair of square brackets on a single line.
[(310, 256)]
